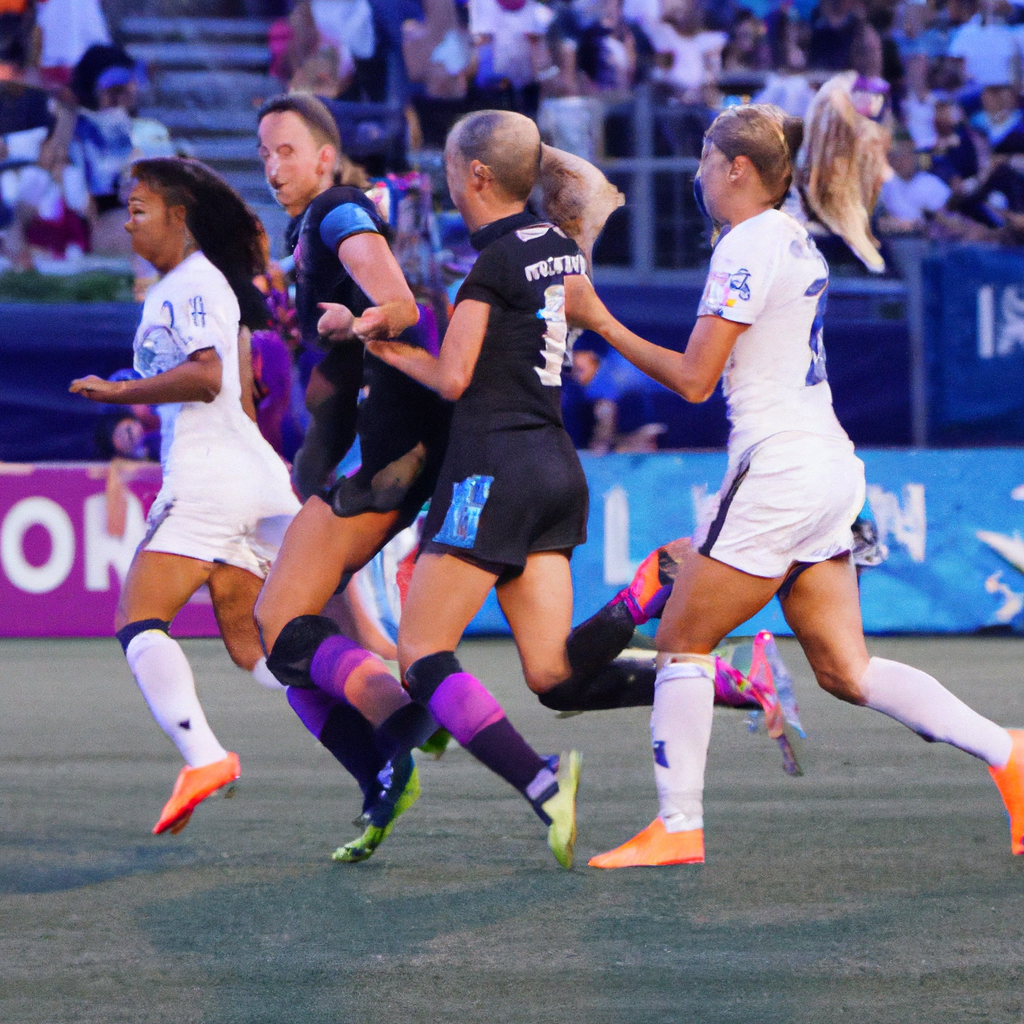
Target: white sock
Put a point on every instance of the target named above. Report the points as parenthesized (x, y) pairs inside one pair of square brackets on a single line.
[(923, 704), (265, 677), (684, 698), (165, 679)]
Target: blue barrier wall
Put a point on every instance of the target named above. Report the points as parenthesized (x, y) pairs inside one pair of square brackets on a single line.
[(952, 521), (974, 343)]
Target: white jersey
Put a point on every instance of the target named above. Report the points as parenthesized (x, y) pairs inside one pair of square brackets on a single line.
[(212, 454), (767, 272)]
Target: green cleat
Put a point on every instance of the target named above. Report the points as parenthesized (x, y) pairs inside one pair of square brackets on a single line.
[(561, 809), (436, 744), (363, 846)]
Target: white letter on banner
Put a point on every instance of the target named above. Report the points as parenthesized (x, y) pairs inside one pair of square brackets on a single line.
[(103, 551), (37, 579), (907, 525), (617, 565), (1011, 333), (986, 322)]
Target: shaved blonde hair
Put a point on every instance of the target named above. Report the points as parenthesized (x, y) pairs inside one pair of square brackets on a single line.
[(507, 144)]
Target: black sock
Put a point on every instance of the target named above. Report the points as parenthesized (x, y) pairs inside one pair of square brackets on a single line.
[(349, 737), (404, 729), (625, 683), (604, 636)]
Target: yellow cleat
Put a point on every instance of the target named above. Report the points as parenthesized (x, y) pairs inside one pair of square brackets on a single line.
[(561, 809)]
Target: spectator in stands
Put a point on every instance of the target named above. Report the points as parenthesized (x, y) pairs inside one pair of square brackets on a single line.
[(1000, 122), (612, 54), (917, 106), (511, 54), (69, 28), (911, 196), (834, 27), (786, 86), (747, 48), (689, 58), (607, 403), (954, 157), (988, 48)]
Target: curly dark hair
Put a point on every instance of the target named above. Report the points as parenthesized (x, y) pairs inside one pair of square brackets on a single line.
[(229, 234)]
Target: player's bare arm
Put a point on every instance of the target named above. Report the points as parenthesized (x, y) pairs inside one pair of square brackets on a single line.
[(450, 373), (371, 264), (197, 380), (692, 373)]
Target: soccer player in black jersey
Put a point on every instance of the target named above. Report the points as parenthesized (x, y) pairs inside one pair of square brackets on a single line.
[(345, 270), (512, 500)]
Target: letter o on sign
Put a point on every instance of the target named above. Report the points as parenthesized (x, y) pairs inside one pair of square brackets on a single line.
[(37, 579)]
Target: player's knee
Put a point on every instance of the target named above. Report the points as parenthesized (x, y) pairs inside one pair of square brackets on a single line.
[(127, 633), (292, 654), (426, 674), (542, 679), (841, 682)]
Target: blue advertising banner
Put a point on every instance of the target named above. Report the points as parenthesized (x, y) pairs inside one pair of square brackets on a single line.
[(974, 332), (951, 520)]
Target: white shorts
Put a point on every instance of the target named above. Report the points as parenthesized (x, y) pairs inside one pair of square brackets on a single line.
[(791, 498), (248, 538)]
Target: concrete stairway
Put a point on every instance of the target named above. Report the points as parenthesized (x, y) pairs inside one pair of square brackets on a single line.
[(208, 77)]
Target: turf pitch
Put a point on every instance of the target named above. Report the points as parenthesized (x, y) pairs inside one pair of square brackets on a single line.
[(878, 887)]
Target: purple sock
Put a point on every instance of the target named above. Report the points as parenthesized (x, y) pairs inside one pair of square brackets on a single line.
[(345, 733), (335, 660), (471, 714)]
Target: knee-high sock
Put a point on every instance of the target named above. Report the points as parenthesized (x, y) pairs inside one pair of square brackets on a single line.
[(165, 679), (923, 704), (399, 724), (471, 714), (345, 733), (265, 677), (625, 683), (684, 696)]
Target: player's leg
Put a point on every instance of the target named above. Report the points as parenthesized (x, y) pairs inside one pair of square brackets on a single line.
[(824, 610), (156, 588), (708, 601), (430, 631)]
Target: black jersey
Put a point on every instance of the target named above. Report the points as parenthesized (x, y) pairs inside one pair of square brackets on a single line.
[(519, 273), (314, 237)]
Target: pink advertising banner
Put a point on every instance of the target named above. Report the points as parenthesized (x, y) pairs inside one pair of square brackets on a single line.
[(67, 535)]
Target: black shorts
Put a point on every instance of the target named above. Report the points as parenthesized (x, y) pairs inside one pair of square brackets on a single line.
[(403, 432), (507, 494)]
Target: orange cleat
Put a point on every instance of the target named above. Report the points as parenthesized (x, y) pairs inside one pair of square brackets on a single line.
[(1010, 781), (653, 847), (192, 787), (652, 583)]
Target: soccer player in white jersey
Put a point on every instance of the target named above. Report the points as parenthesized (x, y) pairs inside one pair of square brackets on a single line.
[(781, 523), (226, 498)]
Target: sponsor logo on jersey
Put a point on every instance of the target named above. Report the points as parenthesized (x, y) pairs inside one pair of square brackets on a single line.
[(555, 265), (198, 311), (725, 289)]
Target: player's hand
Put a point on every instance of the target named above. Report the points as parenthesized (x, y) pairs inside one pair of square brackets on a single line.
[(583, 308), (373, 325), (94, 388), (336, 323)]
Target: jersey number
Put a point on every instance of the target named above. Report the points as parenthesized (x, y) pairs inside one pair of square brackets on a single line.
[(555, 334)]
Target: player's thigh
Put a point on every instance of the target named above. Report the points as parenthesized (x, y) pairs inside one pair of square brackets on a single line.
[(158, 585), (709, 600), (823, 609), (234, 592), (318, 549), (538, 606), (444, 594)]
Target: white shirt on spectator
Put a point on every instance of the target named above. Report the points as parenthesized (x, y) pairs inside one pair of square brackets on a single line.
[(990, 52), (919, 116), (69, 28), (510, 33), (695, 59), (790, 92), (910, 200), (347, 25)]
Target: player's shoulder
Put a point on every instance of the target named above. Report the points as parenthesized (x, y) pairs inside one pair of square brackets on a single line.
[(340, 195)]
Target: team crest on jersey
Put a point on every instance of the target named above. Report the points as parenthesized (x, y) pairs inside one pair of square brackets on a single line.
[(198, 311), (725, 289), (529, 234)]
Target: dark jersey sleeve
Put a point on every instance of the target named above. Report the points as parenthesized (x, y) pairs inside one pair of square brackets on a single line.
[(341, 212), (488, 281)]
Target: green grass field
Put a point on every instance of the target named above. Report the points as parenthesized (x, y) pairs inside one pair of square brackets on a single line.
[(877, 888)]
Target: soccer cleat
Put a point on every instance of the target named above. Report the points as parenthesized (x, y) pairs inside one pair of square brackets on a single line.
[(653, 847), (561, 809), (192, 787), (436, 744), (646, 595), (363, 846), (1010, 781)]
